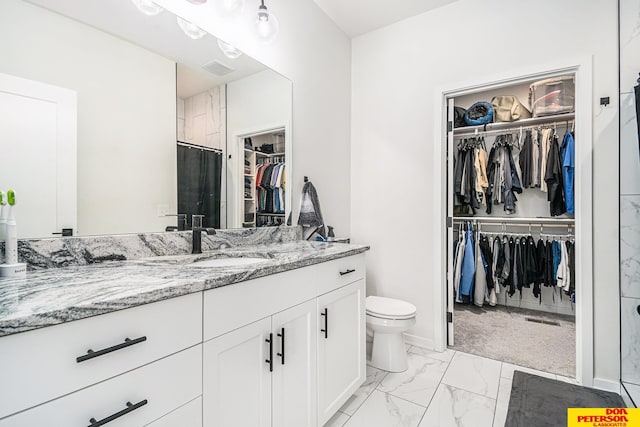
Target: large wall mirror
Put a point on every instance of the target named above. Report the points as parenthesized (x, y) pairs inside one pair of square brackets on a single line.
[(117, 121)]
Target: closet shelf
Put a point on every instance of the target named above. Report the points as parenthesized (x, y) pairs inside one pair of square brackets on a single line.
[(558, 118), (269, 214), (269, 154), (498, 220)]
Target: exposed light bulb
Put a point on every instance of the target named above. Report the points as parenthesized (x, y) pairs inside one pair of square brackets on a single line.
[(229, 51), (191, 30), (267, 25), (147, 7)]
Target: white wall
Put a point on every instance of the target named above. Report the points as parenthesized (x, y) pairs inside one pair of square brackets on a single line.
[(316, 56), (395, 73), (629, 192), (255, 103), (126, 114), (201, 118)]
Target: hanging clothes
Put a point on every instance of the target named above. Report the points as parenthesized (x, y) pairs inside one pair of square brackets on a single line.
[(553, 178), (470, 176), (480, 278), (535, 157), (526, 161), (503, 179), (457, 271), (468, 269), (545, 144), (567, 153), (540, 267)]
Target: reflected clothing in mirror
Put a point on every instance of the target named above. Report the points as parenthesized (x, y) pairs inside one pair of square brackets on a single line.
[(199, 184)]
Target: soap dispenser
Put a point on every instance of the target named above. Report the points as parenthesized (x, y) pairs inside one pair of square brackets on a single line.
[(330, 234)]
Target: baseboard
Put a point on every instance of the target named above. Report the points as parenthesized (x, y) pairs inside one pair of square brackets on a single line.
[(426, 343), (606, 385)]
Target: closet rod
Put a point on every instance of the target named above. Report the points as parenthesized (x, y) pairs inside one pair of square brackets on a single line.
[(524, 221), (515, 126)]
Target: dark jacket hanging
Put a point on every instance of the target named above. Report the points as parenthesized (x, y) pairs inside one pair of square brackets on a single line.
[(553, 178), (526, 161)]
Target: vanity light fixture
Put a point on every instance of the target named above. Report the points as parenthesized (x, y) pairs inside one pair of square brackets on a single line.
[(267, 24), (197, 2), (191, 30), (147, 7), (229, 51)]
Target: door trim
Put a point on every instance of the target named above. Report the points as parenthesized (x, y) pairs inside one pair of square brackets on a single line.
[(582, 68)]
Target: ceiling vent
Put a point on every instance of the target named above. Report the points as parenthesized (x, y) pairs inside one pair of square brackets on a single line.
[(218, 68)]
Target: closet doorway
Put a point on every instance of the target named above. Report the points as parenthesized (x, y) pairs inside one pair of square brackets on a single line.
[(516, 269)]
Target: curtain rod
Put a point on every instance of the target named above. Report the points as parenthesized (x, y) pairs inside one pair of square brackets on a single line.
[(200, 147)]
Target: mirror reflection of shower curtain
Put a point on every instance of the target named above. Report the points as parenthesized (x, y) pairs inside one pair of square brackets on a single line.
[(199, 184)]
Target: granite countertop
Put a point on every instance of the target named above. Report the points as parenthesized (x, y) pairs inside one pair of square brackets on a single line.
[(57, 295)]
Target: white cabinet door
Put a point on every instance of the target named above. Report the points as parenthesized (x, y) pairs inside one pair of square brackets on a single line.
[(341, 347), (236, 378), (294, 374)]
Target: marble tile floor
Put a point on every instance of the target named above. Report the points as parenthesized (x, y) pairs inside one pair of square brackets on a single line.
[(439, 389)]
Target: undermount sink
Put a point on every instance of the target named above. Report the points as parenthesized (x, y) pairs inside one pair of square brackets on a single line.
[(227, 262)]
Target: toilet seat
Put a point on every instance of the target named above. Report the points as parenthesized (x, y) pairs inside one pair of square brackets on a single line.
[(389, 308)]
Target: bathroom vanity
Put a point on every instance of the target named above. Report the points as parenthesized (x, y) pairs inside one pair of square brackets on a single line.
[(277, 339)]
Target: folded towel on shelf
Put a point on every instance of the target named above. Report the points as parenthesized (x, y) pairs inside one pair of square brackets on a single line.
[(310, 217)]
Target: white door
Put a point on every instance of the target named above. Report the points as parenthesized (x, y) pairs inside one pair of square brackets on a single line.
[(236, 383), (38, 141), (450, 303), (341, 347), (294, 374)]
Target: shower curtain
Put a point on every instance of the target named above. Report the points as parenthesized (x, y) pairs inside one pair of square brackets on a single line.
[(199, 184)]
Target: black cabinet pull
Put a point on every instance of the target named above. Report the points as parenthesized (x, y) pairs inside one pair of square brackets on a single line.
[(638, 309), (130, 408), (342, 273), (281, 354), (270, 359), (127, 343), (326, 323)]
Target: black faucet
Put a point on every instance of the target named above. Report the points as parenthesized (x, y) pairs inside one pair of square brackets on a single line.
[(197, 238)]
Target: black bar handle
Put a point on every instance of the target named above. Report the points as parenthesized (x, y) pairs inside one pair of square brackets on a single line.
[(127, 343), (281, 354), (638, 309), (326, 323), (130, 408), (270, 359), (342, 273)]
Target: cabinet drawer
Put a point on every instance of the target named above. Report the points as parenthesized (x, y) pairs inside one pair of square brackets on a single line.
[(340, 272), (230, 307), (189, 415), (153, 390), (40, 365)]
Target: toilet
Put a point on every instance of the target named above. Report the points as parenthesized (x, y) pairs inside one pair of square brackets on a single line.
[(388, 318)]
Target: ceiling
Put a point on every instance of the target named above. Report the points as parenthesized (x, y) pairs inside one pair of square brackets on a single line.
[(161, 35), (357, 17)]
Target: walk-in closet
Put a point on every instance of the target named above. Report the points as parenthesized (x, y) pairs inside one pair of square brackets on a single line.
[(264, 181), (511, 269)]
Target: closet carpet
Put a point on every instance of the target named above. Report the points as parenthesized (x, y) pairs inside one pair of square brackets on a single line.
[(503, 333)]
